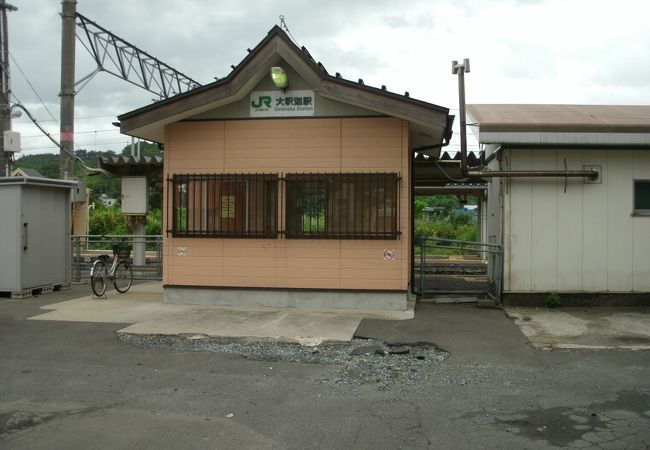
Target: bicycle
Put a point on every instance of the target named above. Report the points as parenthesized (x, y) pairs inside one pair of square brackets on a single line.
[(120, 271)]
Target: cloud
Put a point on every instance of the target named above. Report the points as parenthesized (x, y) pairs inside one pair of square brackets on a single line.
[(535, 51)]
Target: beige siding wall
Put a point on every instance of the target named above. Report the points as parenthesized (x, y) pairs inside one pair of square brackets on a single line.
[(289, 146), (584, 239)]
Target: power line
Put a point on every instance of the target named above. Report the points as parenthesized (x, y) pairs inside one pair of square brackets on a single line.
[(76, 133), (81, 118), (31, 86)]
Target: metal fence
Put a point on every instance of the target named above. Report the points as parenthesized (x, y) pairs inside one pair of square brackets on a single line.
[(146, 254), (448, 266)]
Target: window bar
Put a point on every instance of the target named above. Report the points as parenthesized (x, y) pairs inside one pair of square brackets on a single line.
[(372, 203), (203, 203), (186, 201), (225, 207), (338, 200), (387, 204), (196, 192), (215, 191), (310, 199), (357, 182), (261, 227), (325, 206), (367, 184), (173, 210), (396, 214), (313, 186), (232, 221), (389, 210), (301, 191), (348, 185), (377, 204), (388, 189), (322, 203), (250, 194)]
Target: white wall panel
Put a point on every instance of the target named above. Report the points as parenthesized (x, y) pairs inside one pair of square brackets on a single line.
[(641, 230), (569, 224), (544, 223), (594, 225), (583, 240), (518, 236), (620, 241)]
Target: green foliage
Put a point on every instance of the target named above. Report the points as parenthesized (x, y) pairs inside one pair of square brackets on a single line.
[(454, 225), (46, 163), (447, 221), (154, 222), (314, 223), (146, 149), (105, 221), (553, 300), (446, 202), (155, 195)]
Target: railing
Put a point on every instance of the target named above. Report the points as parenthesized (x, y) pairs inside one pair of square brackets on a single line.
[(146, 256), (448, 266)]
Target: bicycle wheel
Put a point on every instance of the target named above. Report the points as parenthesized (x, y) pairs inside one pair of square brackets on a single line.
[(123, 277), (98, 276)]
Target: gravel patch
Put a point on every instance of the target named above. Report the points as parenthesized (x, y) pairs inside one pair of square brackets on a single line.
[(363, 361)]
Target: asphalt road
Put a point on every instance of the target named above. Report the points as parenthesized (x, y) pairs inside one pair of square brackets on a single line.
[(71, 385)]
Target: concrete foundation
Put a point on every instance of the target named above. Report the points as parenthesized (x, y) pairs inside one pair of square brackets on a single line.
[(280, 298), (579, 299)]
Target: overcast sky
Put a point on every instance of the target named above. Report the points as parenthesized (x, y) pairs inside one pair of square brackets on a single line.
[(521, 51)]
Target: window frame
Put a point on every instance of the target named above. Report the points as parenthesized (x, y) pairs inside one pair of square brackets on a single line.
[(635, 210), (351, 202), (206, 218)]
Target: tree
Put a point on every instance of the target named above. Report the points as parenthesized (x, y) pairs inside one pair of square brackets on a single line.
[(146, 149)]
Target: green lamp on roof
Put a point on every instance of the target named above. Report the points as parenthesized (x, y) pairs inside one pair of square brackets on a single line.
[(279, 77)]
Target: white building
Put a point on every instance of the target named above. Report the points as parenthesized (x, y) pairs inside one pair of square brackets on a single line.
[(569, 235), (107, 201)]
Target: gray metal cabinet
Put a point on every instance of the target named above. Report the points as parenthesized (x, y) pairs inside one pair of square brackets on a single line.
[(35, 225)]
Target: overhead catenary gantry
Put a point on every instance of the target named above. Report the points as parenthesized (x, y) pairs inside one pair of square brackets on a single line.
[(124, 60), (113, 55)]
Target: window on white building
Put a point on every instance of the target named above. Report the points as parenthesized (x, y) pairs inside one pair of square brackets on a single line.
[(642, 197)]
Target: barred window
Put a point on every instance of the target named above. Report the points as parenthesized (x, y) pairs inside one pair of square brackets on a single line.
[(225, 205), (342, 206)]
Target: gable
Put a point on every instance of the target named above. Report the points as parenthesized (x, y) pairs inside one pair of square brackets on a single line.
[(430, 124), (298, 86)]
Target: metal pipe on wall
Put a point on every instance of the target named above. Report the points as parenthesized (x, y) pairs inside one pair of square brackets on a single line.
[(591, 174)]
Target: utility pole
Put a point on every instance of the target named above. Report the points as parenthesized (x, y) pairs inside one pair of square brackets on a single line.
[(68, 17), (461, 70), (5, 112)]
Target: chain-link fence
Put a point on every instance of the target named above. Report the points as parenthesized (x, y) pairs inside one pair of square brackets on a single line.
[(145, 257), (448, 266)]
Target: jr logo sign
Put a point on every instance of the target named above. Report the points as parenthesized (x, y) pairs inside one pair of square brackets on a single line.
[(282, 104), (261, 100)]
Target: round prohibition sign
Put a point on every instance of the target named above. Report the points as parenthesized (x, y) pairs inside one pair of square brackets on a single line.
[(389, 254)]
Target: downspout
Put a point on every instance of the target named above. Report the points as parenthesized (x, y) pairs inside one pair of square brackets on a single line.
[(412, 223)]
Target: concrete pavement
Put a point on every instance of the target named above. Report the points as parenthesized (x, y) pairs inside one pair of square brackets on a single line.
[(73, 384), (584, 328), (145, 313), (142, 307)]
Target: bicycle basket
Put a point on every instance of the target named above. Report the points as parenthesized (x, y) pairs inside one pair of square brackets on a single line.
[(122, 251)]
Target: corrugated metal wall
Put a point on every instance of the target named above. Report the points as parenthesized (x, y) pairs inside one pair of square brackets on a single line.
[(584, 239)]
